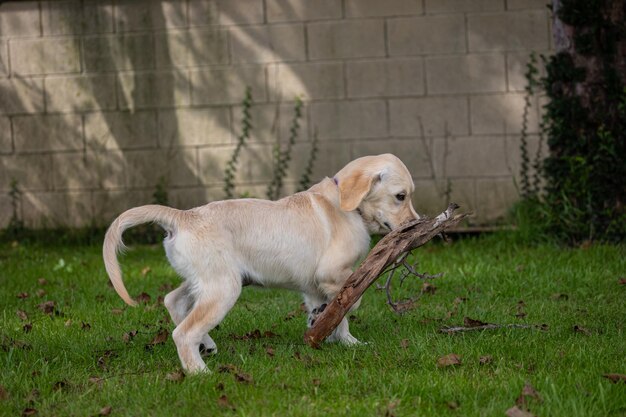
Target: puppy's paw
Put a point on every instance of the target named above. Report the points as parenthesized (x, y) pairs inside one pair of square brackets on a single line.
[(345, 339), (207, 351), (315, 313), (208, 346)]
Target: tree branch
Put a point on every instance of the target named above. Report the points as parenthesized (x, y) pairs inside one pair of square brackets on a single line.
[(391, 250)]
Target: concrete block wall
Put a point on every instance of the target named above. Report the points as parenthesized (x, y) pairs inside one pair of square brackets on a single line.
[(101, 99)]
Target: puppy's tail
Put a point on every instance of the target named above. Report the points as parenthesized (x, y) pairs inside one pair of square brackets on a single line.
[(166, 217)]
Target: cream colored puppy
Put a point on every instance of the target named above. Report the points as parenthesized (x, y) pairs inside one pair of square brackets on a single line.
[(308, 242)]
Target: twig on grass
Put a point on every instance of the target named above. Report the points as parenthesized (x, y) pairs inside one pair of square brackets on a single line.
[(490, 326)]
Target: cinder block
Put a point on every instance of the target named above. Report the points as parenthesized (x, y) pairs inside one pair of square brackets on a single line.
[(297, 10), (107, 205), (195, 47), (76, 17), (527, 4), (462, 192), (98, 16), (74, 171), (271, 122), (194, 127), (45, 56), (308, 81), (21, 95), (267, 43), (505, 31), (178, 166), (331, 157), (426, 35), (50, 210), (460, 6), (19, 18), (349, 120), (465, 74), (502, 114), (4, 59), (80, 93), (477, 156), (121, 130), (6, 211), (108, 169), (227, 86), (414, 152), (516, 69), (429, 197), (225, 12), (374, 8), (254, 166), (495, 197), (190, 197), (32, 172), (154, 89), (48, 133), (397, 77), (346, 39), (115, 53), (134, 15), (535, 145), (6, 143), (429, 116)]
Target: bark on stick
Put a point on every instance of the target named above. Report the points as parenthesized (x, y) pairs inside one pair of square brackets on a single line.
[(386, 253)]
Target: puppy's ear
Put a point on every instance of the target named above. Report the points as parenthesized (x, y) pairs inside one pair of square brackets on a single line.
[(353, 189)]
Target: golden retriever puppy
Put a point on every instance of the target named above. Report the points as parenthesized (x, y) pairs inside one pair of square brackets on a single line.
[(307, 242)]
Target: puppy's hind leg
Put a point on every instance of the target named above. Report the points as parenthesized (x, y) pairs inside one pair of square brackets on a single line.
[(214, 297), (179, 302)]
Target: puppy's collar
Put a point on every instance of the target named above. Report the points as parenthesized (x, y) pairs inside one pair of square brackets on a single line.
[(336, 181)]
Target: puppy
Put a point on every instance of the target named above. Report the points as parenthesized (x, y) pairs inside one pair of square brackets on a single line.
[(307, 242)]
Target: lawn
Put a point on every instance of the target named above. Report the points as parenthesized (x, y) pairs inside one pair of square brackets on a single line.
[(89, 354)]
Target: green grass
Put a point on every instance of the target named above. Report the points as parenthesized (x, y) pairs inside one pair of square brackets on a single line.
[(49, 368)]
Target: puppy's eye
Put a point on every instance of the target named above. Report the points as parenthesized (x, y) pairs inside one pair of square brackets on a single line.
[(400, 196)]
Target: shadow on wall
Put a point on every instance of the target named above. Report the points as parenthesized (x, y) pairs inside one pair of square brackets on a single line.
[(126, 95)]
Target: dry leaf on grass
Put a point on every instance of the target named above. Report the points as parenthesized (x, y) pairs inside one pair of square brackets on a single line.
[(145, 270), (22, 295), (176, 376), (27, 327), (127, 337), (404, 343), (621, 281), (116, 311), (469, 322), (451, 359), (105, 411), (144, 298), (616, 378), (528, 392), (270, 351), (224, 402), (581, 329), (4, 394), (47, 307), (159, 338), (29, 412), (42, 281), (484, 360), (22, 315), (518, 412), (40, 292)]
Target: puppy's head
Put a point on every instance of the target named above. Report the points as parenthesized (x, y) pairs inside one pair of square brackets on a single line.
[(380, 188)]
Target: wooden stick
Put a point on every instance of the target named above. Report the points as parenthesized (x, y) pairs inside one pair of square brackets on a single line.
[(389, 251)]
